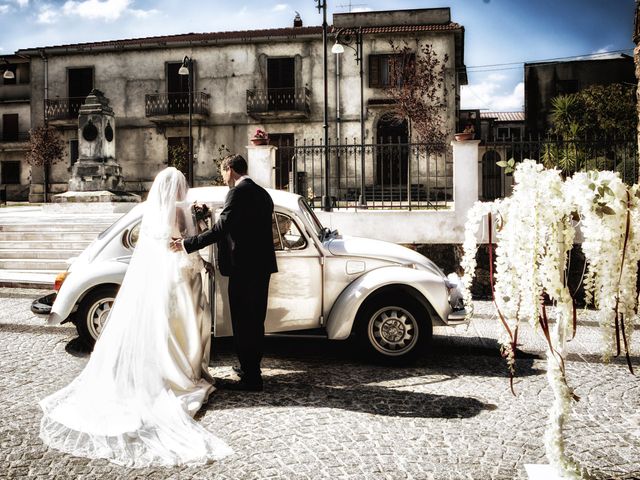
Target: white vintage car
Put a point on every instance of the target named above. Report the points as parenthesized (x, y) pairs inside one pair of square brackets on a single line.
[(387, 296)]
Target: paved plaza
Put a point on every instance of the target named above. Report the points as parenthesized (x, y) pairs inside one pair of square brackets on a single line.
[(327, 414)]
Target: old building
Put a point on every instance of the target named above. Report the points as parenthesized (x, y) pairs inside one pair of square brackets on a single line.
[(243, 80), (15, 94), (545, 80)]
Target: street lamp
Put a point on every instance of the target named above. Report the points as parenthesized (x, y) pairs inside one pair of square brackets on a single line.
[(8, 74), (187, 69), (326, 198), (346, 37)]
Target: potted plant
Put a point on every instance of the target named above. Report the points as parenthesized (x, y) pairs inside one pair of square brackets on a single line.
[(260, 137), (467, 134)]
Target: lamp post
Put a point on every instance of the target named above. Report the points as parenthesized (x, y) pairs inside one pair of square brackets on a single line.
[(8, 74), (345, 37), (187, 69), (326, 198)]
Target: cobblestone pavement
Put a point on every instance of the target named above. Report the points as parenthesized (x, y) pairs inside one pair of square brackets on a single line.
[(325, 413)]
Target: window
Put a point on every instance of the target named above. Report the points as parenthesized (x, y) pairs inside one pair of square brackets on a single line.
[(503, 132), (10, 127), (286, 235), (10, 173), (384, 67), (73, 151), (178, 154)]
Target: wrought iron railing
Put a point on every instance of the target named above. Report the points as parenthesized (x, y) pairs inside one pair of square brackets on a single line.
[(570, 156), (396, 175), (63, 108), (274, 100), (159, 104)]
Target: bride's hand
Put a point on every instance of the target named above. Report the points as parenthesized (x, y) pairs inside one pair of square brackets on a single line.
[(176, 245)]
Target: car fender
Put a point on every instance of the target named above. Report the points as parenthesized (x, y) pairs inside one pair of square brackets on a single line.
[(428, 288), (80, 281)]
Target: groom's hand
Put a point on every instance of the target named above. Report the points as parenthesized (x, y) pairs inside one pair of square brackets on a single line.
[(176, 245)]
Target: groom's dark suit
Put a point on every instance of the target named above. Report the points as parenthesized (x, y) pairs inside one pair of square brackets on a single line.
[(246, 255)]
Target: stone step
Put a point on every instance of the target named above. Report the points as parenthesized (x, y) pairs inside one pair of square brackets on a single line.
[(27, 278), (47, 235), (44, 245), (53, 265), (32, 253), (53, 227)]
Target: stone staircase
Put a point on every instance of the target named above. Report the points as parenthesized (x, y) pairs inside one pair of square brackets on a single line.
[(35, 246)]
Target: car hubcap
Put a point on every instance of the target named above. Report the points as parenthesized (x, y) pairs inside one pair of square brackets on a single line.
[(393, 331), (97, 316)]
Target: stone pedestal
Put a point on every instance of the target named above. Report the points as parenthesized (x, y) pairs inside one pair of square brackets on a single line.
[(261, 161)]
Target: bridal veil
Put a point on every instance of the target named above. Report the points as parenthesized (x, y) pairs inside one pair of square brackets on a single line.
[(134, 401)]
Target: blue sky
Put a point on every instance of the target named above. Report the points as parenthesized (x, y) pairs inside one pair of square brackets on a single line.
[(497, 32)]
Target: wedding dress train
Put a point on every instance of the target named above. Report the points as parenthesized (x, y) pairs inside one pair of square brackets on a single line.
[(134, 401)]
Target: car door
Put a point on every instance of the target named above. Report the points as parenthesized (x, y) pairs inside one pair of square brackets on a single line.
[(295, 291)]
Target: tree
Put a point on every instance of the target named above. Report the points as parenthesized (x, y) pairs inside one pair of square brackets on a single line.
[(45, 149), (592, 127), (417, 84)]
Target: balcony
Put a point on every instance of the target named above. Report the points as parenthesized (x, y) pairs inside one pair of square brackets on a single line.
[(281, 103), (15, 93), (173, 108), (63, 111), (14, 141)]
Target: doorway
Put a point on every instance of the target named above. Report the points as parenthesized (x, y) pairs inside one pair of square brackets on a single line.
[(80, 84), (281, 84), (284, 158), (177, 89), (392, 151)]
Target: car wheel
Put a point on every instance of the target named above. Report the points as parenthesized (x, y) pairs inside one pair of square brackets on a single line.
[(92, 313), (393, 329)]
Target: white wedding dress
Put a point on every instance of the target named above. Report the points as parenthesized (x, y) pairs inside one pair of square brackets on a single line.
[(147, 377)]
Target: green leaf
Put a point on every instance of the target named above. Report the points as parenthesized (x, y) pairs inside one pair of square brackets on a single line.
[(502, 164)]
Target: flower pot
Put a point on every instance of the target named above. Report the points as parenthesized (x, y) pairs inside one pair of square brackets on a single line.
[(259, 141), (461, 137)]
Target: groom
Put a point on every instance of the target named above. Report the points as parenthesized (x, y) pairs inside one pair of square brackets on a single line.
[(245, 255)]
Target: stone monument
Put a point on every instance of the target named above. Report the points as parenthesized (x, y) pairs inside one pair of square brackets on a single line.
[(97, 177)]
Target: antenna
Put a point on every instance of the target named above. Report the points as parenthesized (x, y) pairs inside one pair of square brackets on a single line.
[(351, 5)]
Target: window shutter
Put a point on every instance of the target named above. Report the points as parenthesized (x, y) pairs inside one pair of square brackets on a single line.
[(374, 71)]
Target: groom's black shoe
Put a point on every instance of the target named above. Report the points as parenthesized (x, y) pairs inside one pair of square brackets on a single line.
[(243, 385), (237, 370)]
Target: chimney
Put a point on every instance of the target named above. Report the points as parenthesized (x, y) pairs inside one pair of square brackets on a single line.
[(297, 21)]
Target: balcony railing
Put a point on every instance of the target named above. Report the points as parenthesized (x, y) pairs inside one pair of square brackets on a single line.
[(274, 101), (63, 108), (163, 104)]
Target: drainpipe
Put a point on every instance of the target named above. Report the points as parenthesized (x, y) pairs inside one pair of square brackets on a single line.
[(338, 120), (43, 55)]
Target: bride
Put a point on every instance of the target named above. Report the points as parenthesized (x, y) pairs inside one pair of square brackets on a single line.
[(147, 377)]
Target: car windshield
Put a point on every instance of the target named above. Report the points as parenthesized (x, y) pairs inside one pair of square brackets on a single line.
[(311, 218)]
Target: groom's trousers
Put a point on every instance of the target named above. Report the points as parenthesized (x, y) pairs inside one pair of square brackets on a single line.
[(248, 296)]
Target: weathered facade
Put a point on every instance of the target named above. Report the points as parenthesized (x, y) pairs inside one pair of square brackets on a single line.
[(269, 79)]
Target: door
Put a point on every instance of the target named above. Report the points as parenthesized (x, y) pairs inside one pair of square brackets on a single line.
[(284, 158), (281, 84), (295, 291), (177, 89), (80, 84), (392, 152), (10, 127)]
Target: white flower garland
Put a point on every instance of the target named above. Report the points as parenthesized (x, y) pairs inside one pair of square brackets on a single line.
[(534, 237)]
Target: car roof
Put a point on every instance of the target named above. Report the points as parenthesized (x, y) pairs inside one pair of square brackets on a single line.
[(280, 198)]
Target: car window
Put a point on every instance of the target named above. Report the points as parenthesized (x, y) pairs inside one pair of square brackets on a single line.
[(311, 217), (286, 234)]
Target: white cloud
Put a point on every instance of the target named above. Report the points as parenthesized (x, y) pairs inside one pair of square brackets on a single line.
[(22, 3), (143, 13), (489, 95), (361, 9), (4, 9), (605, 49), (281, 7), (108, 10), (47, 15)]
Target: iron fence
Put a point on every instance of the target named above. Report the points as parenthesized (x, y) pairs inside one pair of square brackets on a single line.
[(570, 156), (385, 174), (63, 108), (279, 100)]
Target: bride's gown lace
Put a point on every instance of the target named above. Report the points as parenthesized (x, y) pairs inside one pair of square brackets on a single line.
[(134, 401)]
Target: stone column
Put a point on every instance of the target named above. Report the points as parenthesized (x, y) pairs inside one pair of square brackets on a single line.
[(261, 160)]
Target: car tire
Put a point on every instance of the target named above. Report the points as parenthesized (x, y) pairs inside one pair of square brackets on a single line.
[(92, 313), (393, 329)]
